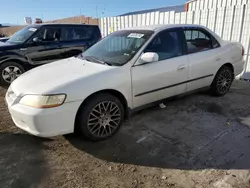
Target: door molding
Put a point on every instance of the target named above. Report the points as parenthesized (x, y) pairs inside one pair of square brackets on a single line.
[(166, 87)]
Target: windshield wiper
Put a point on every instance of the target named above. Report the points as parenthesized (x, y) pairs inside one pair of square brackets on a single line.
[(96, 60)]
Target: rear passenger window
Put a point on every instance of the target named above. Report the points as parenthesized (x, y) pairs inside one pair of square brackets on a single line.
[(77, 33), (166, 44), (198, 41), (215, 43)]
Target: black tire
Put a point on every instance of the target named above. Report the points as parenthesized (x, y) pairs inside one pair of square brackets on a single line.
[(91, 130), (11, 65), (222, 81)]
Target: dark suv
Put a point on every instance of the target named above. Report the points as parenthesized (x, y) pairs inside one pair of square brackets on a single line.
[(43, 43)]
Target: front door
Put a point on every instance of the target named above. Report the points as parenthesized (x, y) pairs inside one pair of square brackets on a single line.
[(48, 47), (165, 78)]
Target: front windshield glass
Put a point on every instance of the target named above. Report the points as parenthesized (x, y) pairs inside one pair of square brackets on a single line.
[(22, 35), (119, 47)]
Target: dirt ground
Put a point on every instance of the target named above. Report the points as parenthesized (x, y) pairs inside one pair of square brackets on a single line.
[(195, 142)]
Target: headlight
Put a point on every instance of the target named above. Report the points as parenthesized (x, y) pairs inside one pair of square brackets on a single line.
[(43, 101)]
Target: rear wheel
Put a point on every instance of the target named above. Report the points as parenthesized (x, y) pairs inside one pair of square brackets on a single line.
[(9, 71), (222, 81), (101, 117)]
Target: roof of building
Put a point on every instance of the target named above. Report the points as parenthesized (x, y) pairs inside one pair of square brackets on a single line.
[(191, 1), (177, 8)]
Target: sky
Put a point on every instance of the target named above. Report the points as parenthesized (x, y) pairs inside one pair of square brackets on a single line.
[(14, 11)]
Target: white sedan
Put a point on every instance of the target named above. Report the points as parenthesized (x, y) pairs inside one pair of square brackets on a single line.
[(130, 68)]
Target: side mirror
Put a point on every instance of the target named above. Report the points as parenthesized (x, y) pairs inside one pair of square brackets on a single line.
[(148, 57), (36, 40)]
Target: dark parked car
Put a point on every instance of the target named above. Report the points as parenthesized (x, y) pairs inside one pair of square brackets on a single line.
[(43, 43)]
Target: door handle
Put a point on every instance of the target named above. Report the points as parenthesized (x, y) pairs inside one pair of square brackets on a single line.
[(23, 49), (218, 59), (182, 67)]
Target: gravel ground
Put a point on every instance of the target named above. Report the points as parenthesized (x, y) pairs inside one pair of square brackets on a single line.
[(197, 141)]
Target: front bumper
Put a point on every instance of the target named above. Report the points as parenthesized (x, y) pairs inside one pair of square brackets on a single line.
[(44, 122)]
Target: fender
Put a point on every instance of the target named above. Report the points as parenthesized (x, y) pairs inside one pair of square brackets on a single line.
[(7, 56)]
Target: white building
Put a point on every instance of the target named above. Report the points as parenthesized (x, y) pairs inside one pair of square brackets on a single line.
[(208, 4)]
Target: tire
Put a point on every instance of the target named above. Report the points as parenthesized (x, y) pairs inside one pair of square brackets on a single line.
[(222, 81), (14, 68), (94, 123)]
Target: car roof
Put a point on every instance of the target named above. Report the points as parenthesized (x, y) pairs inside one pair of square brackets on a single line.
[(59, 24), (162, 27)]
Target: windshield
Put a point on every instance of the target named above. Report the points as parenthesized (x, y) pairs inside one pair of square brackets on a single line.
[(118, 48), (22, 35)]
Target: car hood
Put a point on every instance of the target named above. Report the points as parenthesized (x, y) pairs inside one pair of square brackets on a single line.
[(47, 78), (8, 46)]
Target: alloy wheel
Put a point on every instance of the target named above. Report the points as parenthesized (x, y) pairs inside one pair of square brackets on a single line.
[(104, 119), (10, 73), (224, 81)]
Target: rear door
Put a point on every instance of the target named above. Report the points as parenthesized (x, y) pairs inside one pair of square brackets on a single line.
[(203, 55), (76, 39), (48, 49)]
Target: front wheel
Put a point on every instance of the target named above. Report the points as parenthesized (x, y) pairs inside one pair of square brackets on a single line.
[(222, 81), (9, 71), (101, 117)]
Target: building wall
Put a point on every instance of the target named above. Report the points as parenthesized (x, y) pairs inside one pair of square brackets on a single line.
[(208, 4), (8, 31), (77, 19)]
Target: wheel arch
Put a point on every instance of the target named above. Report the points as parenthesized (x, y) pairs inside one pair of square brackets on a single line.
[(230, 65), (113, 92), (16, 60)]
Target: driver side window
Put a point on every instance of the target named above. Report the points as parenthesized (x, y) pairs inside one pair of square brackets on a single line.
[(167, 44)]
